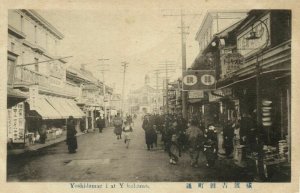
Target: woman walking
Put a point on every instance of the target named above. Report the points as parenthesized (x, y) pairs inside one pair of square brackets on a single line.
[(71, 135), (118, 122)]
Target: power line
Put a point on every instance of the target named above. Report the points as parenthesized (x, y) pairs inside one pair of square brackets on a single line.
[(34, 63), (183, 51)]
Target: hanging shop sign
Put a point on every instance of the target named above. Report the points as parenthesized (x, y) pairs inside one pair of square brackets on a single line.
[(33, 96), (231, 62), (262, 31), (218, 94), (16, 123), (198, 80), (196, 94)]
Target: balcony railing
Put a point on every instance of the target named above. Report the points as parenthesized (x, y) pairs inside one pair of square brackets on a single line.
[(26, 77)]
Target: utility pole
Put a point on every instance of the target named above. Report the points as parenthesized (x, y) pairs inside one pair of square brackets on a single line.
[(124, 65), (104, 87), (183, 51), (166, 66), (157, 91)]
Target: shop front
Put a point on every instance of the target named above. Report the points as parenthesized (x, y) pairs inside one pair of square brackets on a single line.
[(46, 118)]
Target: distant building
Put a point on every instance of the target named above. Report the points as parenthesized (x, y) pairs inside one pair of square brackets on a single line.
[(145, 99)]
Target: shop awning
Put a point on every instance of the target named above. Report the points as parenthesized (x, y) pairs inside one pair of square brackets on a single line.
[(65, 107), (45, 110), (78, 112)]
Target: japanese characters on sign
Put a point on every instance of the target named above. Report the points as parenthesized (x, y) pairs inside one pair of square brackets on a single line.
[(199, 80), (231, 62), (16, 123), (196, 94)]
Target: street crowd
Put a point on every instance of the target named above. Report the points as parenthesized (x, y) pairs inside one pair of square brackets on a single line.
[(179, 135)]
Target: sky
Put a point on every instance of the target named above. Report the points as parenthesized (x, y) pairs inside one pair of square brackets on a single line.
[(144, 38)]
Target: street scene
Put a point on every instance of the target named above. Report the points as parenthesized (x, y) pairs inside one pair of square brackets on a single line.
[(156, 95)]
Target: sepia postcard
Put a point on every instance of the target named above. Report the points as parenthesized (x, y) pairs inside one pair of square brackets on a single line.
[(149, 96)]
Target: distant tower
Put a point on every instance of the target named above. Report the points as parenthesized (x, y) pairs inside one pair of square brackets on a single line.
[(147, 79)]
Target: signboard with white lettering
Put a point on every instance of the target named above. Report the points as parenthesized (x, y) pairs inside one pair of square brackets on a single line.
[(199, 80), (196, 94)]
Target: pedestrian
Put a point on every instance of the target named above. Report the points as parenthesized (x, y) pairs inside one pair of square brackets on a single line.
[(148, 128), (195, 140), (118, 122), (210, 145), (71, 135), (43, 133), (181, 132), (228, 134), (127, 129), (100, 122)]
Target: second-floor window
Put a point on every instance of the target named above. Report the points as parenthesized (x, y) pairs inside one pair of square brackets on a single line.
[(36, 65)]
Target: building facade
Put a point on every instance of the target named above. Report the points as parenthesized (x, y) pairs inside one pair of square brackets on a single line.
[(145, 99), (36, 70), (252, 61)]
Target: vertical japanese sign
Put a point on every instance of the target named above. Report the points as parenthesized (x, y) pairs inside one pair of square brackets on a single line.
[(9, 124), (33, 96), (16, 123), (199, 80)]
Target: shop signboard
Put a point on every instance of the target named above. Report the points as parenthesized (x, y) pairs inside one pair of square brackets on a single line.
[(218, 94), (262, 31), (231, 62), (33, 96), (16, 125), (196, 94), (199, 80), (9, 124)]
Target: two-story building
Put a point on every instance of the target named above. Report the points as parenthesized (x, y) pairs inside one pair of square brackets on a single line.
[(91, 99), (36, 69)]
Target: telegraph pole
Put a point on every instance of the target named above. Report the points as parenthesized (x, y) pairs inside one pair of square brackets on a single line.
[(157, 92), (183, 51), (104, 87), (167, 65), (124, 65)]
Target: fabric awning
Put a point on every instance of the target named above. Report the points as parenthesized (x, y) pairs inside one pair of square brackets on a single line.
[(45, 110), (77, 111), (16, 94), (65, 107)]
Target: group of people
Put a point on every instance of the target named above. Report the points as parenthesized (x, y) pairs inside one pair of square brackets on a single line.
[(179, 135)]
